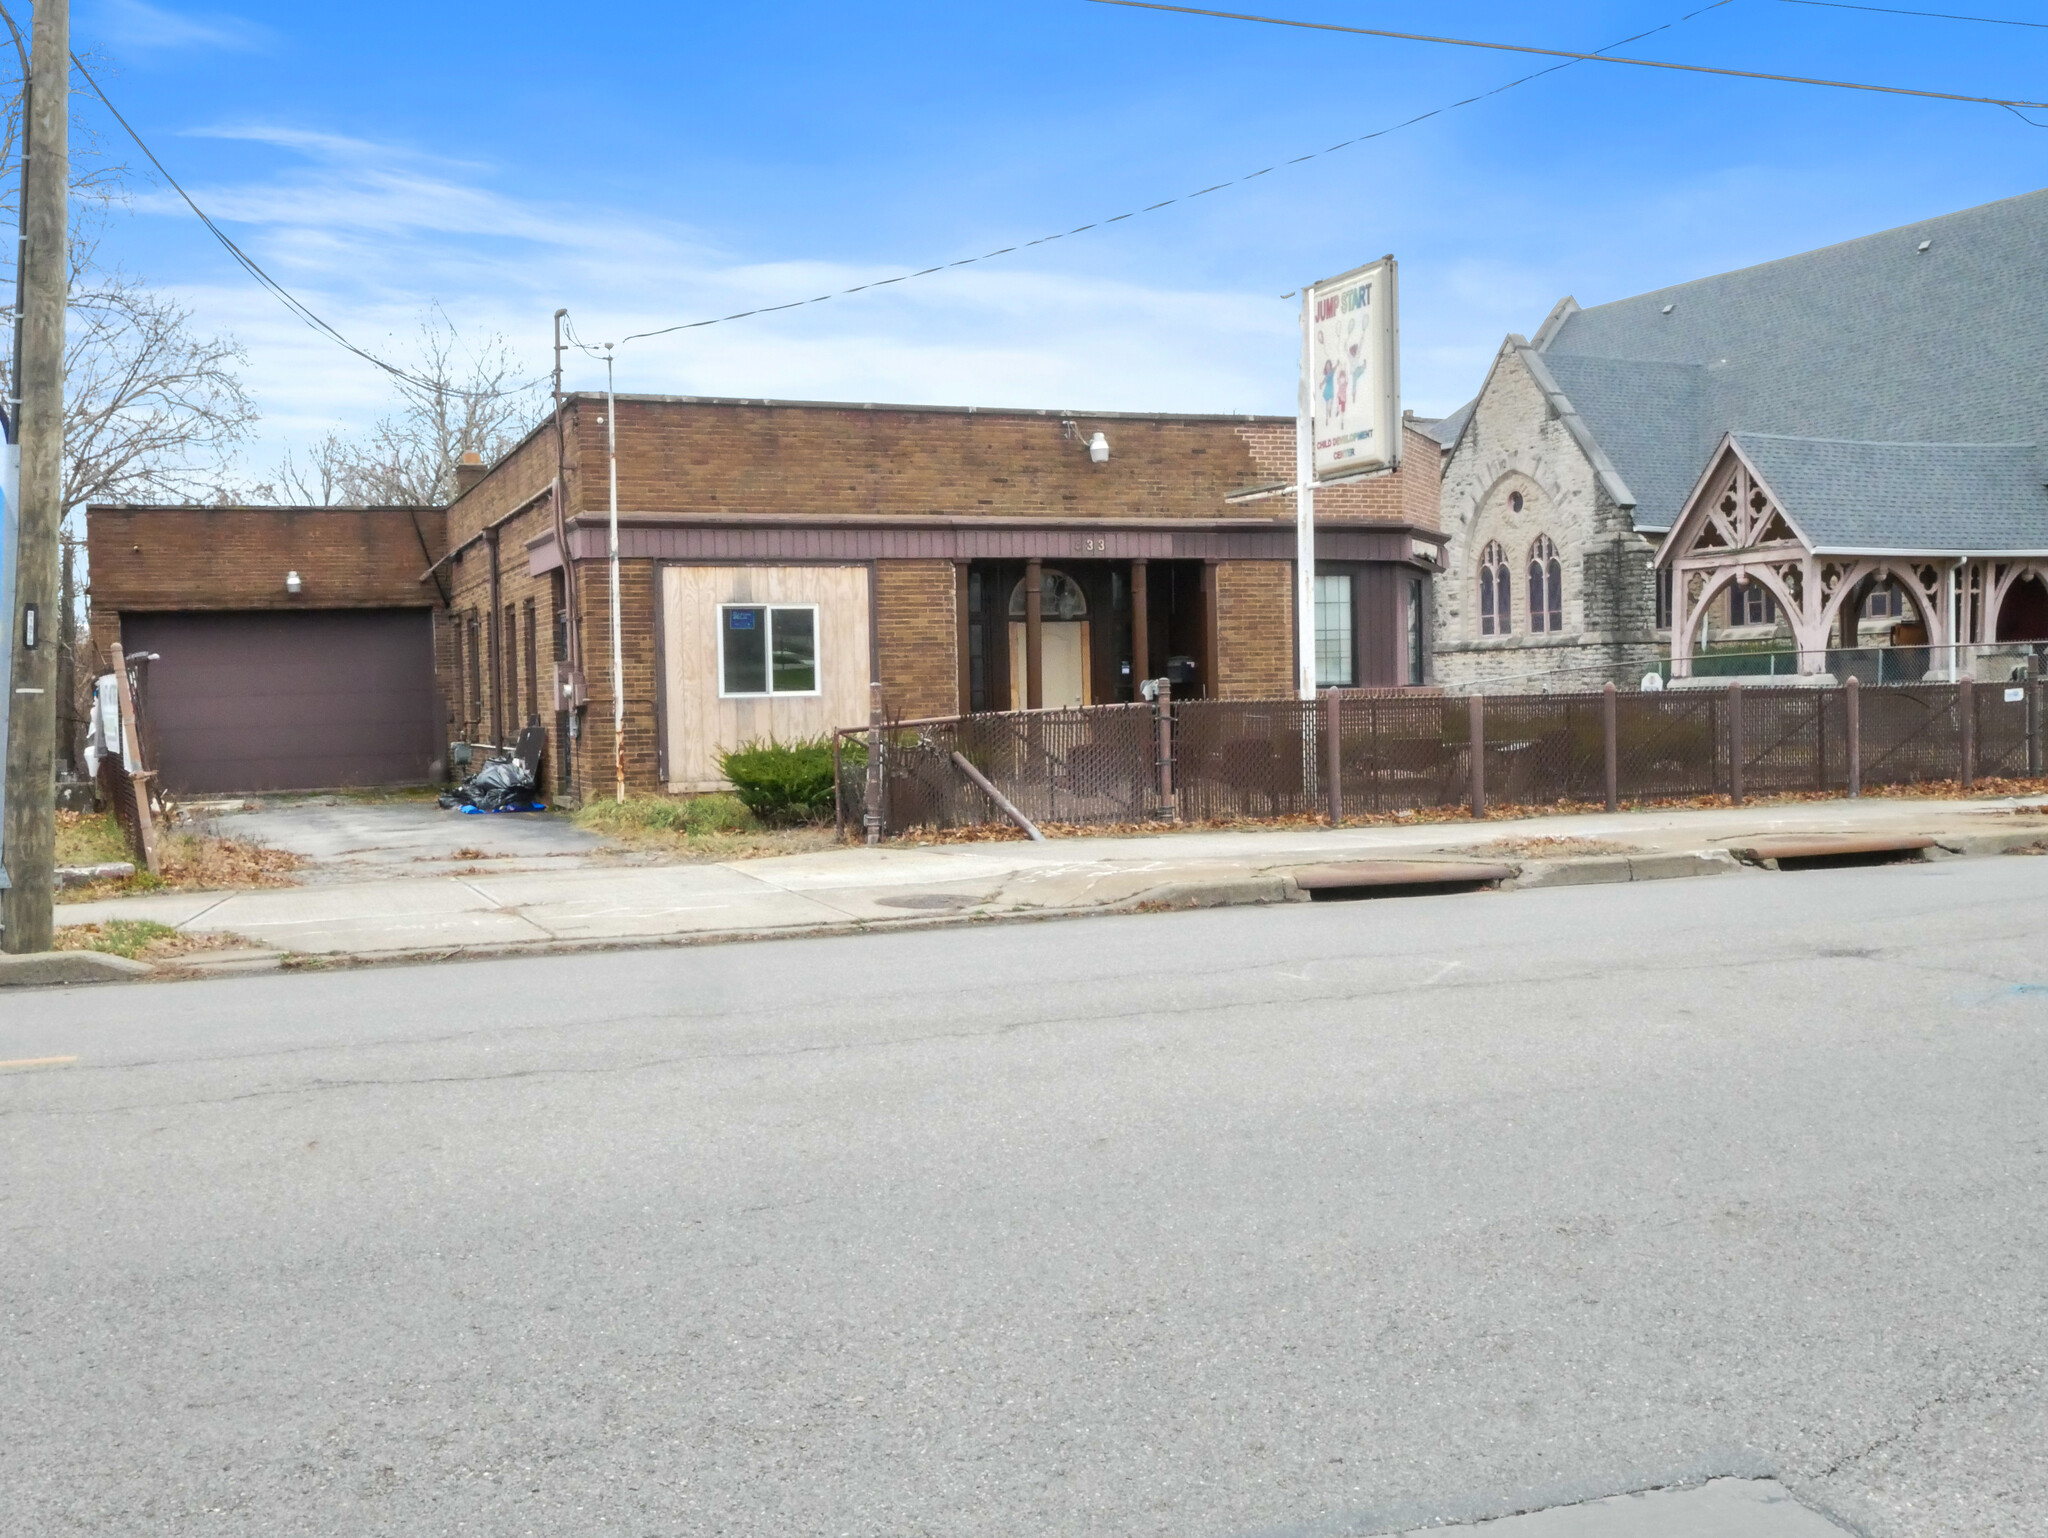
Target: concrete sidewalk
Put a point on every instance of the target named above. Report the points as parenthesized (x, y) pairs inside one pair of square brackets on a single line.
[(899, 886)]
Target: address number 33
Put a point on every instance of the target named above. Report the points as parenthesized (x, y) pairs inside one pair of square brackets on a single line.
[(1090, 546)]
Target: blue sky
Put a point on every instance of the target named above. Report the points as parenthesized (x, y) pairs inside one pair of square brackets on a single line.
[(646, 163)]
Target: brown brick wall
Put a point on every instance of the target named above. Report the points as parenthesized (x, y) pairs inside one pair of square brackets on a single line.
[(1254, 629), (593, 770), (918, 639), (1409, 495), (719, 457), (170, 558)]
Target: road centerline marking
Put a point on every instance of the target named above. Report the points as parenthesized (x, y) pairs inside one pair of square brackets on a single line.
[(36, 1062)]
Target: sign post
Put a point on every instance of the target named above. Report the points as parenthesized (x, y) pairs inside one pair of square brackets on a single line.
[(10, 501), (1305, 511), (1348, 422)]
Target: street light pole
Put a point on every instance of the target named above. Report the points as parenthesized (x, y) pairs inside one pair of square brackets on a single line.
[(31, 812)]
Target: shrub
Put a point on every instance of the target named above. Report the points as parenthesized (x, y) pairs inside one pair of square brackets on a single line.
[(782, 781)]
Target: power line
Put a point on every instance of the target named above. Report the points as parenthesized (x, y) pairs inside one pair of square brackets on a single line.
[(797, 304), (283, 295), (1591, 58), (1885, 10)]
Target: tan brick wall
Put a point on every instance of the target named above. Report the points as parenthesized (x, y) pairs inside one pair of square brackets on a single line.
[(1255, 629), (917, 631)]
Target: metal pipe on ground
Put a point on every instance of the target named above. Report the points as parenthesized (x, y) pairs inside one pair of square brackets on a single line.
[(1002, 801)]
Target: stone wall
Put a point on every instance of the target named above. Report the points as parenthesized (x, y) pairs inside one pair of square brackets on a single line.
[(1515, 445)]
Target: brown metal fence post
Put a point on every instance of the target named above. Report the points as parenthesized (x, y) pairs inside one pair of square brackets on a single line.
[(1610, 733), (873, 817), (1853, 709), (1163, 705), (1333, 758), (2034, 712), (1477, 706), (1966, 729), (1735, 743)]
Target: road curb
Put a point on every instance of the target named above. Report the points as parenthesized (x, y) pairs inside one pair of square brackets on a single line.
[(60, 969), (1263, 886)]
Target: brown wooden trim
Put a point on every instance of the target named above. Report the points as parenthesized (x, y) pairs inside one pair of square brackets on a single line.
[(782, 543), (961, 647), (1141, 624), (660, 678)]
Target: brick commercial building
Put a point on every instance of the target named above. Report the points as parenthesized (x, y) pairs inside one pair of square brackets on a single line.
[(293, 645), (778, 559)]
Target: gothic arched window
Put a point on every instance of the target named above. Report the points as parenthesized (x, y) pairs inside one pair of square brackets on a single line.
[(1496, 612), (1546, 587)]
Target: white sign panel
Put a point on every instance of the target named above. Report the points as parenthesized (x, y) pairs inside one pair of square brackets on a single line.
[(1354, 371)]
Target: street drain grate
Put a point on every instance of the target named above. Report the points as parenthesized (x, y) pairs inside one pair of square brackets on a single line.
[(1356, 880), (1834, 852)]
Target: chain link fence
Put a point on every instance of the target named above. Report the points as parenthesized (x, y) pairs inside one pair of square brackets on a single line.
[(1228, 760)]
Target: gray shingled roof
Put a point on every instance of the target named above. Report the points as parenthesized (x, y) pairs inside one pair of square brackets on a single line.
[(1848, 496), (1872, 341)]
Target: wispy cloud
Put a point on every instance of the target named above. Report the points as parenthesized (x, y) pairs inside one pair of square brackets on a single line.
[(370, 234), (135, 26)]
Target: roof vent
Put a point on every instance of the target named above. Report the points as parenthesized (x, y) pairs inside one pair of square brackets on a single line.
[(1667, 309), (1924, 245)]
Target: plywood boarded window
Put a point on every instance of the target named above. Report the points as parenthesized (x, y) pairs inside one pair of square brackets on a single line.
[(702, 718)]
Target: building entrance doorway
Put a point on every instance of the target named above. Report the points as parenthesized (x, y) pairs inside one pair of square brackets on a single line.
[(1065, 676)]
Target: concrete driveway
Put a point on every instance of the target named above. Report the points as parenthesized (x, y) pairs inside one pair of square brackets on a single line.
[(345, 840)]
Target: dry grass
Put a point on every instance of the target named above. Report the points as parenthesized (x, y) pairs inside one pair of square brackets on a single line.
[(145, 940), (1548, 848), (713, 827), (1496, 811), (190, 861)]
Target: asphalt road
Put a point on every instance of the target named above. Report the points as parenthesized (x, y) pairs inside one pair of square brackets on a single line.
[(1304, 1220)]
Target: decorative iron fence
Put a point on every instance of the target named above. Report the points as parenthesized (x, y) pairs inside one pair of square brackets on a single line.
[(1223, 760)]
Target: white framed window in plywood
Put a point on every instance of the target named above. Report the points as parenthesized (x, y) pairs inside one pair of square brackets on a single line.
[(767, 649)]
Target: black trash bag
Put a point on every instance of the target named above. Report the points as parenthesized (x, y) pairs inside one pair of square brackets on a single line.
[(504, 784)]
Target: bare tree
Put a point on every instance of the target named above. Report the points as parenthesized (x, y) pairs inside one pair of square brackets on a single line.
[(152, 409), (457, 401)]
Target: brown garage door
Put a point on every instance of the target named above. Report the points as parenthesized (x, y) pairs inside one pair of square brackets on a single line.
[(289, 701)]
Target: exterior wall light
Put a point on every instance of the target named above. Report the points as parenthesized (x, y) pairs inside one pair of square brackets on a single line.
[(292, 584), (1098, 449)]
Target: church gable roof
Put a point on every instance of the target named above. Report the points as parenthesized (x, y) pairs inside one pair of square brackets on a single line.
[(1873, 341), (1849, 497)]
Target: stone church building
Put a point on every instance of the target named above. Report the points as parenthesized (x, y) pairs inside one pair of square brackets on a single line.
[(1895, 386)]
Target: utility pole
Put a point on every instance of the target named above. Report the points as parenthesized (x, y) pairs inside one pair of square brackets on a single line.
[(31, 814)]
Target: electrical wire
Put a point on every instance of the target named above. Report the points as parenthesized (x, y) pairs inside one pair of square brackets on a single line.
[(283, 295), (797, 304), (2011, 105), (1885, 10)]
